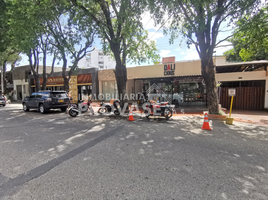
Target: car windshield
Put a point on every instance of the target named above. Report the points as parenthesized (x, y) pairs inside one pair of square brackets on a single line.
[(59, 95), (2, 98)]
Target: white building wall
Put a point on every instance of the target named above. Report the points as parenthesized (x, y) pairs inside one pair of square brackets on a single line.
[(96, 58), (246, 76), (109, 63), (24, 88)]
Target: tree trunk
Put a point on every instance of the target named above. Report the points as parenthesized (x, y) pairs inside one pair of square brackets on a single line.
[(121, 78), (4, 78), (44, 72), (37, 82), (66, 80), (208, 73)]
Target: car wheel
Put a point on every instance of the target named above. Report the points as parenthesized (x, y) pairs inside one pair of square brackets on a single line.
[(25, 108), (42, 109), (63, 109), (4, 104)]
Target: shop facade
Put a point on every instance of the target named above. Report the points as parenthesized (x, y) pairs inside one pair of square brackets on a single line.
[(179, 82), (82, 84), (182, 82)]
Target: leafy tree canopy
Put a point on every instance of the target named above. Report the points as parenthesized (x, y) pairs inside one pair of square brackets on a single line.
[(199, 22), (250, 39), (4, 40), (119, 22)]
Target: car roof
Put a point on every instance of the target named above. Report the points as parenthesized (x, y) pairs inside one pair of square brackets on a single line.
[(58, 91)]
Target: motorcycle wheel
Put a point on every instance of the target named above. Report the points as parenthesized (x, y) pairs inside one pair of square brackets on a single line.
[(84, 108), (146, 113), (73, 113), (168, 113), (116, 112), (102, 110)]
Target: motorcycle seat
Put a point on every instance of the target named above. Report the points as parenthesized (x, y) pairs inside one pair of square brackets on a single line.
[(164, 103)]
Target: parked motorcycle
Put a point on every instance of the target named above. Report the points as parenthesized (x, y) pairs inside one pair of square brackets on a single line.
[(161, 109), (105, 108), (81, 106), (108, 108)]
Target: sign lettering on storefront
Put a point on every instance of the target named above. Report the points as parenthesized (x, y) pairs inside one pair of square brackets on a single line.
[(53, 81), (169, 69)]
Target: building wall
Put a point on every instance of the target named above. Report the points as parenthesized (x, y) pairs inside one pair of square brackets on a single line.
[(181, 69), (20, 78), (97, 59), (221, 60), (24, 87), (246, 76)]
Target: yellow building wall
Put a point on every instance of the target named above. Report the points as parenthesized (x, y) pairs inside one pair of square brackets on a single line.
[(154, 71)]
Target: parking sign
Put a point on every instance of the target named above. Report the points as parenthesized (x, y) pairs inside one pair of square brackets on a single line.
[(231, 92)]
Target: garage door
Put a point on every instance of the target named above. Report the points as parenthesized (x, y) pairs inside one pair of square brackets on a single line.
[(249, 95)]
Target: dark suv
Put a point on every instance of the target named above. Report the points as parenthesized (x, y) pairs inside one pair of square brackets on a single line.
[(45, 100)]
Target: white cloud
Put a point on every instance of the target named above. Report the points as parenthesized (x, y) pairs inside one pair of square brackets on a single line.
[(148, 21), (155, 35), (223, 46), (191, 54), (164, 53)]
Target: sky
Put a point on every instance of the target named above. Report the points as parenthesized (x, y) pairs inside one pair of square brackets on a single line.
[(178, 49)]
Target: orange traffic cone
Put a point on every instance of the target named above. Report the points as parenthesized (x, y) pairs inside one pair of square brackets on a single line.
[(206, 123), (131, 118)]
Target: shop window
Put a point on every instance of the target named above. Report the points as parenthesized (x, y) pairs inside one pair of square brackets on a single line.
[(109, 90)]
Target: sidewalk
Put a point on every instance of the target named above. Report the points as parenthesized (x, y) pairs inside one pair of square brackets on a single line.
[(255, 117)]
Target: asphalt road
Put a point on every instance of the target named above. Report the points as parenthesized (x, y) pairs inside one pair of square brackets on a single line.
[(54, 156)]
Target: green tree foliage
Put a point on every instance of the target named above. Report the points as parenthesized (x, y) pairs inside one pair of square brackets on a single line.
[(119, 26), (250, 39), (28, 34), (41, 28), (9, 56), (73, 37), (199, 21), (4, 40)]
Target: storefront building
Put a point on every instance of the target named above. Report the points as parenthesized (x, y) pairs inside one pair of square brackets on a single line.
[(179, 81), (250, 79), (21, 80), (82, 84), (182, 82)]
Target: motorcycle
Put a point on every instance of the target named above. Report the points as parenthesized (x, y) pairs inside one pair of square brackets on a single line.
[(159, 109), (81, 106), (105, 108), (108, 108)]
